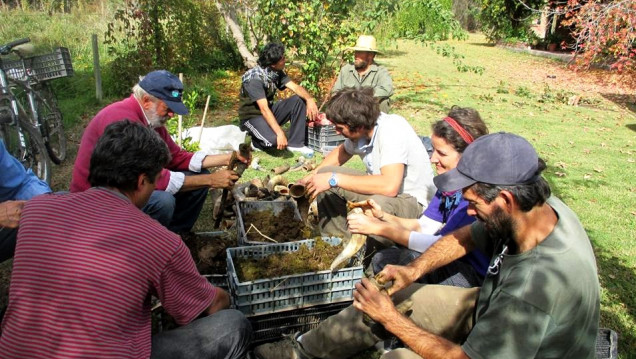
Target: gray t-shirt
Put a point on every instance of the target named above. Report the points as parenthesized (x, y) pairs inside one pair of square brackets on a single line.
[(395, 141), (543, 303)]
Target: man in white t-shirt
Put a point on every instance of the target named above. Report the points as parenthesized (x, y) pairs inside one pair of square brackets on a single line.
[(398, 171)]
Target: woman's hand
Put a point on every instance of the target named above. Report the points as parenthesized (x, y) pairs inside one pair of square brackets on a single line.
[(364, 224)]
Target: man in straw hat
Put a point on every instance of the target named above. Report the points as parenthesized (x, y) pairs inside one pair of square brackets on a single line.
[(540, 297), (364, 72)]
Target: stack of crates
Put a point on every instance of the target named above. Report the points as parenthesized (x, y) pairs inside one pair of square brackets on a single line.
[(323, 138), (291, 303)]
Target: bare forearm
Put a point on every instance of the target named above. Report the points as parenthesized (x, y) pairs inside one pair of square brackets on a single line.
[(449, 248), (369, 184), (395, 233), (423, 343), (216, 160), (221, 301), (268, 115), (410, 224)]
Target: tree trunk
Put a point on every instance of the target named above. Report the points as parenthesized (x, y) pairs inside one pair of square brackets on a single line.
[(229, 14)]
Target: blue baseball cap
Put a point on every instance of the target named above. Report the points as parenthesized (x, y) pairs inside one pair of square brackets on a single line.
[(167, 87), (499, 159)]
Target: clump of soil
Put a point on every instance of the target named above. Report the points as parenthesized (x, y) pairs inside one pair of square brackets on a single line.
[(284, 227), (280, 264), (208, 251)]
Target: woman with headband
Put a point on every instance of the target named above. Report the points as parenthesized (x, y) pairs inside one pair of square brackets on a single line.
[(445, 213)]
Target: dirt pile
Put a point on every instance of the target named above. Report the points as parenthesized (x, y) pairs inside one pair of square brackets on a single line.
[(208, 251), (280, 264), (280, 228)]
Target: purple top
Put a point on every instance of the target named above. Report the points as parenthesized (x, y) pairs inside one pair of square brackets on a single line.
[(452, 211)]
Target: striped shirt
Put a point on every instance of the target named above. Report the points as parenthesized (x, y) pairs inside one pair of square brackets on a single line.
[(85, 267)]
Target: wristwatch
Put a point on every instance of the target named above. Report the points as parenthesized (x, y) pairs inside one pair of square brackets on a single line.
[(333, 181)]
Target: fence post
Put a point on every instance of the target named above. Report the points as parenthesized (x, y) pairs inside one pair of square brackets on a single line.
[(96, 68)]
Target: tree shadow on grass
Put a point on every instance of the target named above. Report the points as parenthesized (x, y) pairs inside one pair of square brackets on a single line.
[(627, 102), (482, 44), (632, 126), (617, 279), (391, 53)]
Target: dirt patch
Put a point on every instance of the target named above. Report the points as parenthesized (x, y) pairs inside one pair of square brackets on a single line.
[(281, 227), (302, 261), (208, 250)]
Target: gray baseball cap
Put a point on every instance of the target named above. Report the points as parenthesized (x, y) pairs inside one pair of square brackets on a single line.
[(499, 158)]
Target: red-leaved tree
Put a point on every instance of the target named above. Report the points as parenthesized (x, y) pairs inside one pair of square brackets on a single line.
[(604, 32)]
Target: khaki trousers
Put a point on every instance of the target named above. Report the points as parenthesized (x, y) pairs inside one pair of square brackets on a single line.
[(332, 206), (441, 310)]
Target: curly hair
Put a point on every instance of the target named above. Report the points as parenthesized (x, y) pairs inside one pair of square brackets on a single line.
[(356, 108), (271, 54)]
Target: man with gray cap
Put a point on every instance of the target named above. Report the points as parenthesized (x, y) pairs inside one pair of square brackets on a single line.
[(183, 184), (365, 72), (540, 297)]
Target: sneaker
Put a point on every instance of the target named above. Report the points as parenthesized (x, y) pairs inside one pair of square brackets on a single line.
[(305, 151), (288, 348), (254, 148)]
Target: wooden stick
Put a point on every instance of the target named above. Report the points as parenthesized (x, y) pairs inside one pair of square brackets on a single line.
[(180, 118), (259, 232), (205, 111)]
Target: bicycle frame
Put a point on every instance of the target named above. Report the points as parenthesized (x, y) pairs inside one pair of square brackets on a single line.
[(7, 94)]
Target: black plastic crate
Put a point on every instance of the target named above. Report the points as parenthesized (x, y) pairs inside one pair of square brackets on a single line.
[(320, 138), (271, 327), (43, 67)]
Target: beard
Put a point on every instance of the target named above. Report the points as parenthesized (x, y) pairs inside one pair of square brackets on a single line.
[(155, 120), (500, 227), (360, 64)]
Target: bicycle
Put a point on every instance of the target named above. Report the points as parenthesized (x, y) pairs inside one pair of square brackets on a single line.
[(35, 95), (20, 137)]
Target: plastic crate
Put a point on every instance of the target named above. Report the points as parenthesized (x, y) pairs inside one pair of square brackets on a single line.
[(606, 344), (284, 293), (43, 67), (271, 327), (245, 207), (320, 138)]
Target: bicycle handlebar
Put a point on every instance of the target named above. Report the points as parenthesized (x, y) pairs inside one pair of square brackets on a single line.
[(6, 49)]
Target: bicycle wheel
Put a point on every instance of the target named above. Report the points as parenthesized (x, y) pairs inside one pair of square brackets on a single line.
[(24, 142), (51, 125)]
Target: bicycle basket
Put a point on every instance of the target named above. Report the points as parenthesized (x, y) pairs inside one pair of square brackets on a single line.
[(43, 67)]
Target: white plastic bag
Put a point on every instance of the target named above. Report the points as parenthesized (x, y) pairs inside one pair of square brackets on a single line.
[(215, 140)]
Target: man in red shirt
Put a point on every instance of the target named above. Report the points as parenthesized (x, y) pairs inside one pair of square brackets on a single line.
[(183, 184), (86, 265)]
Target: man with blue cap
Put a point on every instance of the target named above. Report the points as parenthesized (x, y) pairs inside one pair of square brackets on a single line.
[(183, 184), (540, 297)]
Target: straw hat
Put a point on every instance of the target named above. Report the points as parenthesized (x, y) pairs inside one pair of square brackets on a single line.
[(365, 43)]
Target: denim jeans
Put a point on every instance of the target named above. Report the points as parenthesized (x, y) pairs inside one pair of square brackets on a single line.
[(225, 334), (177, 212), (7, 243)]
